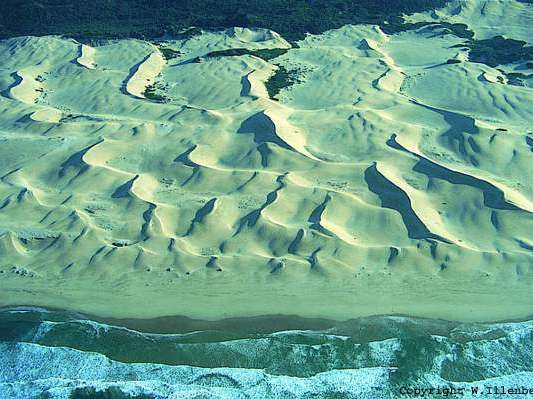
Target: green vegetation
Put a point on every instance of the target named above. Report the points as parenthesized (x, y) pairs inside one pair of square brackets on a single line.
[(498, 50), (153, 93), (90, 19), (518, 75), (265, 54), (459, 30), (516, 78), (168, 53), (397, 24), (282, 78), (109, 393)]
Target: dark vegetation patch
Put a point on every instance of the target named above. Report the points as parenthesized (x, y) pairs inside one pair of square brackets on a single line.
[(155, 93), (111, 19), (281, 79), (266, 54), (499, 50), (168, 53), (453, 61), (397, 25), (518, 75), (516, 78), (120, 244), (109, 393)]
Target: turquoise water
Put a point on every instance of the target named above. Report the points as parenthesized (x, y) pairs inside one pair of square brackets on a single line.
[(49, 354)]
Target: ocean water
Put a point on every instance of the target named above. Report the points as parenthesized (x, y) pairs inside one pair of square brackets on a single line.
[(51, 354)]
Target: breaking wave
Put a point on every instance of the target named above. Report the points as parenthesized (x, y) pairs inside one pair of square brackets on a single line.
[(48, 354)]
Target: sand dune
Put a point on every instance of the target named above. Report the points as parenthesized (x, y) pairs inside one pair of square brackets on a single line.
[(25, 88), (86, 57), (144, 74), (383, 180), (488, 18)]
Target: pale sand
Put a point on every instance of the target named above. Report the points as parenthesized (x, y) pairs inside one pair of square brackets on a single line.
[(144, 74), (86, 57), (381, 183)]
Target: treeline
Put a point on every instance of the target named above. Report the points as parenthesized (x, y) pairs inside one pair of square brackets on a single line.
[(154, 18)]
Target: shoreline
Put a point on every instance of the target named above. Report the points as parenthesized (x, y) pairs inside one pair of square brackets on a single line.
[(330, 299), (261, 324)]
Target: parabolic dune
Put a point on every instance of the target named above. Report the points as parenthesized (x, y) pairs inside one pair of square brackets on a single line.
[(352, 174)]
